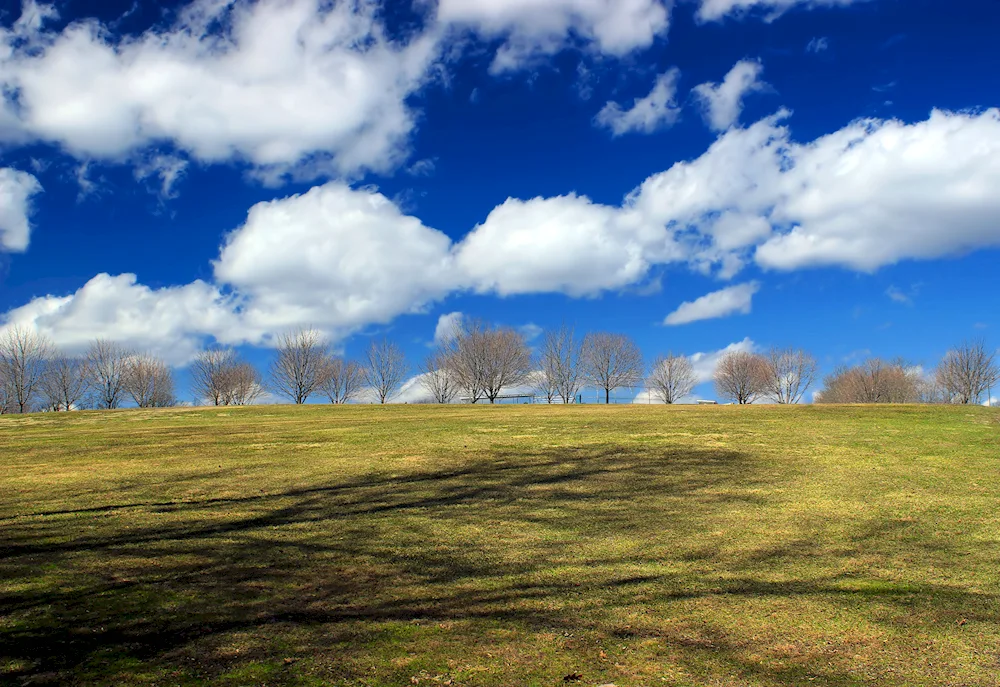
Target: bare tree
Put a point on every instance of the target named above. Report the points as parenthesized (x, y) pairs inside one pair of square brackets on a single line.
[(301, 366), (968, 371), (438, 379), (24, 354), (344, 380), (873, 381), (149, 381), (65, 383), (385, 370), (107, 365), (210, 374), (507, 362), (789, 374), (741, 376), (559, 360), (464, 356), (611, 361), (672, 378), (242, 384)]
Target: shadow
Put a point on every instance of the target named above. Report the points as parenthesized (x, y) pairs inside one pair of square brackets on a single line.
[(550, 541)]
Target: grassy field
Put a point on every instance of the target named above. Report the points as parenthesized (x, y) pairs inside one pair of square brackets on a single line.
[(513, 545)]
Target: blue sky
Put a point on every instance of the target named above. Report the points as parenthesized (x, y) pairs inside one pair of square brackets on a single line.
[(814, 173)]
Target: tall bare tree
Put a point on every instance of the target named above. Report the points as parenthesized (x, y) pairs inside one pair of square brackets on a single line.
[(790, 373), (301, 365), (149, 381), (211, 374), (672, 378), (465, 355), (968, 371), (438, 379), (611, 361), (344, 380), (385, 369), (242, 384), (559, 360), (65, 383), (107, 365), (507, 363), (24, 354), (741, 376)]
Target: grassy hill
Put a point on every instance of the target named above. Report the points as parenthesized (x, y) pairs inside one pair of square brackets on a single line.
[(513, 545)]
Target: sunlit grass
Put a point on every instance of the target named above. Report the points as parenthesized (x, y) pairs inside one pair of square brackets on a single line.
[(508, 545)]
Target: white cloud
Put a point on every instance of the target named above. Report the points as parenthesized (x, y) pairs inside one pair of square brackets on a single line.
[(530, 331), (16, 191), (818, 45), (714, 10), (168, 169), (535, 28), (448, 327), (733, 299), (874, 193), (286, 82), (657, 110), (170, 322), (336, 258), (722, 103), (895, 294), (704, 364), (564, 244)]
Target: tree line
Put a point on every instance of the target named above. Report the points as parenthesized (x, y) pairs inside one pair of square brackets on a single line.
[(477, 363)]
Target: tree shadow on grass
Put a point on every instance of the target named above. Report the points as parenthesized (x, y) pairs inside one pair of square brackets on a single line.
[(547, 541)]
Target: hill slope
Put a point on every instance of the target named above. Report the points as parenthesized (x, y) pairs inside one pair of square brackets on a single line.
[(512, 545)]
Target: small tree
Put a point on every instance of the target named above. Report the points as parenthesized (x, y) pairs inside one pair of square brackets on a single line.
[(873, 381), (344, 380), (968, 371), (242, 384), (672, 378), (611, 361), (211, 374), (465, 355), (301, 366), (385, 369), (789, 374), (438, 378), (149, 381), (560, 364), (741, 377), (106, 365), (65, 383), (24, 354)]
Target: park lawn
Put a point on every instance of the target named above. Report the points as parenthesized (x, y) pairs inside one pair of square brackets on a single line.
[(507, 545)]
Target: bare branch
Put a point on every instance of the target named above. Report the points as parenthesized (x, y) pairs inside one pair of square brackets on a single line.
[(611, 361), (301, 366), (385, 370), (344, 380), (559, 360), (107, 365), (149, 381), (967, 372), (789, 374), (741, 377), (672, 378), (24, 354), (439, 379), (65, 383)]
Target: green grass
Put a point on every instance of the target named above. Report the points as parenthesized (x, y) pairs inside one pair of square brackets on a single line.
[(508, 545)]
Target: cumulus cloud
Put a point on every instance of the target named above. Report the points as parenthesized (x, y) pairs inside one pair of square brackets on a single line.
[(171, 322), (534, 28), (722, 103), (565, 244), (284, 82), (871, 194), (733, 299), (448, 327), (16, 191), (714, 10), (657, 110)]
